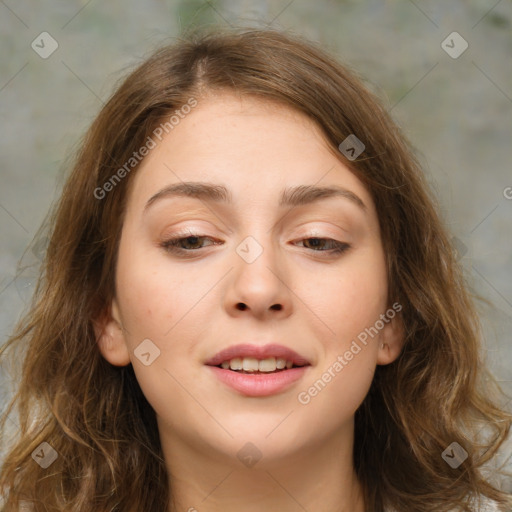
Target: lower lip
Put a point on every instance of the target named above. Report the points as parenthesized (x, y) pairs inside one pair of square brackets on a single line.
[(260, 384)]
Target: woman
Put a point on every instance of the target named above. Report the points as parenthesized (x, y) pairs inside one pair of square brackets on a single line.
[(250, 303)]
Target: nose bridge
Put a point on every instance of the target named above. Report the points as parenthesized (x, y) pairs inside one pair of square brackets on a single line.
[(257, 283), (255, 257)]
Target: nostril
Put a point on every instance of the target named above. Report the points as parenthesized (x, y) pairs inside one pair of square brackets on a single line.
[(241, 306)]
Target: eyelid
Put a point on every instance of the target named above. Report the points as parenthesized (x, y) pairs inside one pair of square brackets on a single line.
[(183, 232)]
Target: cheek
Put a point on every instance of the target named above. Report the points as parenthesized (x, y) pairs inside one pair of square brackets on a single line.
[(351, 304), (154, 294), (351, 298), (162, 304), (156, 300)]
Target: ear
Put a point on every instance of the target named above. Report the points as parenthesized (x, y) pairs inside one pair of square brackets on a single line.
[(391, 340), (110, 337)]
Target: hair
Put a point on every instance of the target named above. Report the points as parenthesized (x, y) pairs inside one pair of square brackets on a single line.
[(94, 414)]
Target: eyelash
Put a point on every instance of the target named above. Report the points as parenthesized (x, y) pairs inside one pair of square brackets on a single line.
[(172, 245)]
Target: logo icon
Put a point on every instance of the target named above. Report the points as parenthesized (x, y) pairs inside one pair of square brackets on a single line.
[(44, 455), (249, 454), (146, 352), (249, 249), (454, 455), (44, 45), (459, 247), (351, 147), (39, 248), (454, 45)]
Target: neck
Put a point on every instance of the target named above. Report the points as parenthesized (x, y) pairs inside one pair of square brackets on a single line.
[(318, 478)]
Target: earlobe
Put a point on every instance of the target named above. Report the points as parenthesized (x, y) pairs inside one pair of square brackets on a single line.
[(391, 341), (110, 337)]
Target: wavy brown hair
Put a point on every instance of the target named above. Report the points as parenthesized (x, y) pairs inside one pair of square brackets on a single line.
[(95, 416)]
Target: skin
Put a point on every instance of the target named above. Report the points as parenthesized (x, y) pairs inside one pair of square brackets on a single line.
[(188, 308)]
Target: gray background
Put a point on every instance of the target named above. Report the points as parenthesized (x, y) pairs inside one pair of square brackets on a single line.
[(457, 112)]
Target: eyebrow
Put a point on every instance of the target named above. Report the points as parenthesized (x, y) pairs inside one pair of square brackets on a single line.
[(291, 196)]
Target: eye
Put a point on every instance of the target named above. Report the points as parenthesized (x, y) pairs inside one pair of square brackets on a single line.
[(317, 244), (193, 242), (185, 244)]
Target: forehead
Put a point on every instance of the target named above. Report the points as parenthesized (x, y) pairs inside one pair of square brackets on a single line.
[(233, 126), (255, 146)]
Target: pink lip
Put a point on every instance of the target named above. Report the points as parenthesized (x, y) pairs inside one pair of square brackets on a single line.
[(260, 384), (258, 352)]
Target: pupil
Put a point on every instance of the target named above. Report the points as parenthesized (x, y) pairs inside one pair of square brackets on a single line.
[(192, 240)]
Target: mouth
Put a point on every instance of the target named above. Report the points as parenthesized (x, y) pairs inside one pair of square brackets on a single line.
[(251, 365), (258, 371), (257, 359)]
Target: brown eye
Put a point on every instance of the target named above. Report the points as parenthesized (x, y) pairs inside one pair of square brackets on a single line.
[(325, 245), (190, 243)]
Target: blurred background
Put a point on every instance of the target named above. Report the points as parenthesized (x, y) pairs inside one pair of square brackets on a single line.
[(443, 70)]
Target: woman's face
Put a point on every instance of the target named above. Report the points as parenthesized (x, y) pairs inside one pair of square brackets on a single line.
[(271, 264)]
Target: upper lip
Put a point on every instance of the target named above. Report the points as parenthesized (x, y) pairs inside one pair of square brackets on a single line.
[(258, 352)]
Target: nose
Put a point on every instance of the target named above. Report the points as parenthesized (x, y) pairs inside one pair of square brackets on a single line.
[(259, 284)]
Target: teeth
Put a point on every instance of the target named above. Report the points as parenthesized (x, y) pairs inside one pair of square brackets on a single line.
[(251, 364), (236, 363), (267, 365)]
